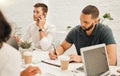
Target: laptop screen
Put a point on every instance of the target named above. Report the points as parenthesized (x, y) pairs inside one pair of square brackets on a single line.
[(95, 60), (12, 41)]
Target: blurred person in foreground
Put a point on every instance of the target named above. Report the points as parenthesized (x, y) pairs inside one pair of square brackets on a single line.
[(10, 58), (40, 32), (89, 32)]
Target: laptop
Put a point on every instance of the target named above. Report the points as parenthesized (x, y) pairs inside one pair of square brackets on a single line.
[(95, 60), (12, 41)]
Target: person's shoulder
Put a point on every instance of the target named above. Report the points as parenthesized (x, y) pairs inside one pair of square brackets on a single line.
[(32, 24), (49, 26), (8, 48), (76, 28), (103, 27), (10, 51)]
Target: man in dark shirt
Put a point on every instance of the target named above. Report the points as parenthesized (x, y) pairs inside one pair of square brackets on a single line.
[(90, 32)]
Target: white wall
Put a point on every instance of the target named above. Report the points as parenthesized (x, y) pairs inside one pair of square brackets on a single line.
[(20, 13)]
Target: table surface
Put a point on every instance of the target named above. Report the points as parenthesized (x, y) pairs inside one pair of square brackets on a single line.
[(49, 70)]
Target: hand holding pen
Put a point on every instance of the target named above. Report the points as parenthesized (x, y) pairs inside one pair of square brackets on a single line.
[(53, 53), (54, 49)]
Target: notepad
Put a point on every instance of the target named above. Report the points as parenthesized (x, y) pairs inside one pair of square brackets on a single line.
[(51, 62)]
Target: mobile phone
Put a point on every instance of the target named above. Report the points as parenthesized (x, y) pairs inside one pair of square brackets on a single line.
[(38, 20), (44, 15)]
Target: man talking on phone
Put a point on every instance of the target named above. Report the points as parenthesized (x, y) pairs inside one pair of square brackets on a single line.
[(40, 32)]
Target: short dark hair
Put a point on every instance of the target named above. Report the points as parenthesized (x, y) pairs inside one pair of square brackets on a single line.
[(5, 29), (90, 9), (44, 7)]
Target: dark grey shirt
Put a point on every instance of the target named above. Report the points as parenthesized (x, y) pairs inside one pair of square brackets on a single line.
[(101, 34)]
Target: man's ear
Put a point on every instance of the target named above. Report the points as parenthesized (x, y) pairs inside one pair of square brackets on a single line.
[(45, 15), (96, 20)]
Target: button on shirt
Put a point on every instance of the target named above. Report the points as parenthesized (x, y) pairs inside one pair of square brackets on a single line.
[(32, 34)]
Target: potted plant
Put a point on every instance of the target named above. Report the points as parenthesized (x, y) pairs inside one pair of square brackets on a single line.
[(69, 27), (104, 17), (25, 46)]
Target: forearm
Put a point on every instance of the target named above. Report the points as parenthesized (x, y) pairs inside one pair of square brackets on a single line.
[(46, 42), (60, 50), (63, 47), (112, 58), (41, 34), (112, 62), (112, 54), (41, 25)]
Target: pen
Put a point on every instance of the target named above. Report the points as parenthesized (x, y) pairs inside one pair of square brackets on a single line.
[(54, 49), (50, 63)]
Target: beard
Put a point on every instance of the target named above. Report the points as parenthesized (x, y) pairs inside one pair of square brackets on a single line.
[(88, 28)]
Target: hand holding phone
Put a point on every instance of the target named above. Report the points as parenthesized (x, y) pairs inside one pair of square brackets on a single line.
[(38, 20), (41, 21), (41, 17)]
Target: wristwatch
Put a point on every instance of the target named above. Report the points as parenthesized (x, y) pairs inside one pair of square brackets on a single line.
[(41, 30)]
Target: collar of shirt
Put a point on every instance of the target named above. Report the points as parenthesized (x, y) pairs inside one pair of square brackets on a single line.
[(93, 32)]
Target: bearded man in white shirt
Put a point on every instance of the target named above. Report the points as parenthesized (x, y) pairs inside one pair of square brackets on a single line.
[(40, 32)]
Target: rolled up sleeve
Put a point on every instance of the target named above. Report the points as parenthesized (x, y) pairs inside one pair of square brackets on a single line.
[(46, 42)]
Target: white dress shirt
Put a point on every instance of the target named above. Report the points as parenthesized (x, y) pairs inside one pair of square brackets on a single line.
[(10, 61), (32, 34)]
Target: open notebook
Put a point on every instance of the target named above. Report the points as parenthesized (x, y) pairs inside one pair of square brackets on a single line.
[(52, 62)]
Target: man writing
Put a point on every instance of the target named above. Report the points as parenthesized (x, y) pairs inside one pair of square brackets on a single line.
[(89, 32)]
